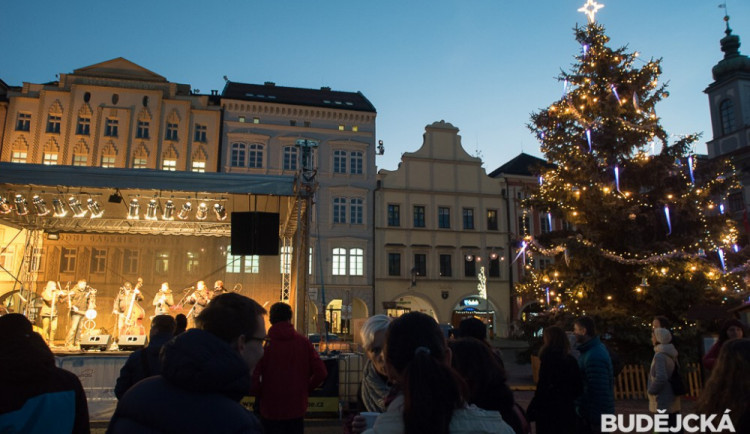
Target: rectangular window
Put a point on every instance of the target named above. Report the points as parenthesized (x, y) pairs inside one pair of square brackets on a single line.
[(200, 133), (241, 119), (169, 165), (355, 128), (355, 163), (339, 161), (544, 263), (310, 261), (445, 266), (130, 259), (234, 263), (67, 260), (339, 262), (23, 122), (444, 217), (83, 127), (290, 158), (108, 161), (339, 210), (193, 263), (420, 264), (238, 154), (171, 132), (495, 267), (355, 211), (53, 124), (256, 120), (491, 219), (98, 261), (255, 156), (292, 123), (356, 262), (35, 265), (49, 159), (142, 131), (394, 215), (735, 202), (198, 166), (341, 127), (80, 160), (162, 263), (111, 126), (544, 223), (6, 257), (18, 157), (252, 264), (418, 216), (468, 217), (470, 267), (285, 259), (139, 163), (394, 264)]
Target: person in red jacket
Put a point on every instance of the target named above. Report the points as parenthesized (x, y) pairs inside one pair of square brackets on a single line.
[(289, 370)]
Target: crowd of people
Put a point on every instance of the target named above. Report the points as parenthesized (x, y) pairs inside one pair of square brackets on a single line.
[(415, 380)]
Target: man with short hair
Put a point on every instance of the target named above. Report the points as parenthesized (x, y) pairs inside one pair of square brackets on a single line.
[(289, 370), (81, 298), (205, 373), (145, 362), (598, 380)]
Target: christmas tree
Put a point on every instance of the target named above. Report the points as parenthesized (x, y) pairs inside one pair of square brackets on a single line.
[(643, 229)]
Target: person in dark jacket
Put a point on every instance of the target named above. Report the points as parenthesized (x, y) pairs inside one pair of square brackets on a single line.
[(730, 329), (145, 362), (485, 378), (289, 370), (560, 383), (598, 380), (476, 328), (35, 395), (205, 373), (181, 323)]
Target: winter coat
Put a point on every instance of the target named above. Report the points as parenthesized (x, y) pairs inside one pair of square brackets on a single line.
[(660, 394), (598, 382), (560, 383), (141, 364), (469, 420), (289, 370), (35, 395), (202, 381)]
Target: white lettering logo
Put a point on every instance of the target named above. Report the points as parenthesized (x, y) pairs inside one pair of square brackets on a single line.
[(659, 422)]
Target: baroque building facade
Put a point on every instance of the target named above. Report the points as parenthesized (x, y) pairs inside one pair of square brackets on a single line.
[(441, 237)]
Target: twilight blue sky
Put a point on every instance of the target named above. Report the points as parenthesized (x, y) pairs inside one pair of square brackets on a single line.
[(483, 65)]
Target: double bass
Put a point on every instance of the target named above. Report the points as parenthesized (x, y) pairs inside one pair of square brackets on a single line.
[(133, 324)]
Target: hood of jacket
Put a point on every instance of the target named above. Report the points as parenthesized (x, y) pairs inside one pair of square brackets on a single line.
[(667, 349), (281, 331), (199, 361)]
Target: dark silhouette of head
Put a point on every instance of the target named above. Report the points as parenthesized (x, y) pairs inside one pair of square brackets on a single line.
[(230, 316), (162, 324), (472, 328), (280, 312), (180, 323)]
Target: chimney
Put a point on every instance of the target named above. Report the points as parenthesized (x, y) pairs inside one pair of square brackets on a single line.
[(269, 84)]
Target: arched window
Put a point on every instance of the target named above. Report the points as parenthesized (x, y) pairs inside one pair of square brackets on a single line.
[(239, 151), (726, 112)]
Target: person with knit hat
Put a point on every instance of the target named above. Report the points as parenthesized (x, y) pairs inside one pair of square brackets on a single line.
[(660, 394)]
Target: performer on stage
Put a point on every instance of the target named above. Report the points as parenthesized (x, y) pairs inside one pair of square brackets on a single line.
[(199, 299), (163, 300), (123, 304), (80, 299), (218, 289), (51, 299)]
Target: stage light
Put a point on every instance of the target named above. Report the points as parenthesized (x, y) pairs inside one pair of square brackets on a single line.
[(202, 212), (59, 207), (76, 207), (220, 211), (185, 211), (40, 205), (134, 209), (95, 208), (168, 211), (22, 207), (151, 210), (4, 206)]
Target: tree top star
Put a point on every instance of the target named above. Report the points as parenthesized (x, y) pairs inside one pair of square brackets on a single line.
[(590, 9)]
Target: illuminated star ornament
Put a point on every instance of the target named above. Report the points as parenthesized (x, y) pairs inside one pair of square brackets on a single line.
[(590, 9)]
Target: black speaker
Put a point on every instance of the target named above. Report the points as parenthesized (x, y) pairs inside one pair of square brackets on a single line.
[(97, 342), (255, 233), (131, 342)]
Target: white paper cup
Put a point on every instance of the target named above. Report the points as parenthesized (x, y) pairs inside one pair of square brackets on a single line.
[(370, 417)]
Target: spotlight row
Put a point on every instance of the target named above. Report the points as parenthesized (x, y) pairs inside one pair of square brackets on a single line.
[(59, 206), (168, 210)]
